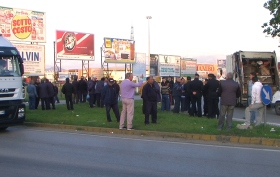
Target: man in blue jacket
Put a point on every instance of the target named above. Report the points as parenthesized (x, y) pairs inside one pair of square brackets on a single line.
[(110, 95)]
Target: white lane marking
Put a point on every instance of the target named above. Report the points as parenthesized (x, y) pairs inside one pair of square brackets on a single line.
[(159, 141)]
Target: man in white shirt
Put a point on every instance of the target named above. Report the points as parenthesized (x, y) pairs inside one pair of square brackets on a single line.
[(256, 105)]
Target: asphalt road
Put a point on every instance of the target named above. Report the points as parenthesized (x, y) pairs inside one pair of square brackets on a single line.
[(42, 153)]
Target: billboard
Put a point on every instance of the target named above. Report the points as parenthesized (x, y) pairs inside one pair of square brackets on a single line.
[(139, 67), (154, 64), (221, 70), (169, 65), (204, 69), (188, 67), (119, 50), (33, 58), (74, 46), (22, 25)]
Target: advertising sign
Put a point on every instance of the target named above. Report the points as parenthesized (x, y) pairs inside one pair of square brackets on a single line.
[(188, 67), (22, 25), (204, 69), (221, 71), (139, 67), (154, 64), (33, 59), (74, 46), (119, 50), (169, 65)]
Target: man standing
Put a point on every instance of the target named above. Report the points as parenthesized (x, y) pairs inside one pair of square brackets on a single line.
[(127, 95), (256, 105), (91, 91), (211, 88), (75, 93), (32, 93), (176, 93), (250, 85), (196, 94), (82, 90), (110, 95), (51, 94), (229, 91), (205, 99), (187, 93), (98, 89), (165, 92), (68, 90), (150, 97)]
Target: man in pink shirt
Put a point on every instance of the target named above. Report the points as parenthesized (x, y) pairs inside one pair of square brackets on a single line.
[(127, 95)]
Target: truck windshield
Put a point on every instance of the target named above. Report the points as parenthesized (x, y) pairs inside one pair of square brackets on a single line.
[(9, 67)]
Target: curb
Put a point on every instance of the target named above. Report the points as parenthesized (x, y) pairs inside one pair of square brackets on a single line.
[(189, 136)]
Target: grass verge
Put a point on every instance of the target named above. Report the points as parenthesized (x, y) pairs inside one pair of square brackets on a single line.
[(167, 121)]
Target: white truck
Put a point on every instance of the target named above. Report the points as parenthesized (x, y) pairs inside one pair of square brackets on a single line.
[(242, 63), (12, 93)]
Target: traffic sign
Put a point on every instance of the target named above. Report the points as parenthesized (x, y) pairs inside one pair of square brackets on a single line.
[(266, 94)]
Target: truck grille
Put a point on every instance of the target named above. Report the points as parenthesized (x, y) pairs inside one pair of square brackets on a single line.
[(6, 95), (7, 112)]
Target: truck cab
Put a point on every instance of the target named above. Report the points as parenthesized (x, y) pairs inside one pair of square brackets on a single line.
[(12, 93)]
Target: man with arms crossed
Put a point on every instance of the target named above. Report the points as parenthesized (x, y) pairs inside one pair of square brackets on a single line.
[(127, 95)]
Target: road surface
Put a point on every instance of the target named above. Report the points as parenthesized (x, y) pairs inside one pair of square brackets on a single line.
[(43, 153)]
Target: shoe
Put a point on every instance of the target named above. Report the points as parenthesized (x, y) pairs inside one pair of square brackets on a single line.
[(132, 128), (242, 126), (122, 128)]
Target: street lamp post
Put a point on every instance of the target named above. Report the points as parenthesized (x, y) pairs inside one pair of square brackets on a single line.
[(149, 68)]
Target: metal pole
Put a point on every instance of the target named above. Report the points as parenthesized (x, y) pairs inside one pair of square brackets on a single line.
[(101, 56), (54, 61), (149, 68)]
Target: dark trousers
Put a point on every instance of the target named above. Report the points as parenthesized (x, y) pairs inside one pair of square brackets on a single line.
[(91, 100), (176, 108), (99, 101), (183, 103), (150, 108), (69, 102), (171, 99), (37, 102), (196, 103), (52, 102), (45, 103), (56, 99), (188, 103), (116, 111), (83, 96), (205, 105), (144, 107), (213, 107), (76, 98)]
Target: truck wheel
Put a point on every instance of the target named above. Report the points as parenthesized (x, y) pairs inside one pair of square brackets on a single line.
[(3, 128), (277, 108)]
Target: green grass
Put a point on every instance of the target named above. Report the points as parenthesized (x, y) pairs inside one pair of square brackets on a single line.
[(167, 121)]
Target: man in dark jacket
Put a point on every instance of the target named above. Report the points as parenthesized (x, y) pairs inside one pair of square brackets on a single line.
[(176, 93), (75, 94), (196, 94), (110, 95), (187, 93), (55, 93), (229, 91), (37, 83), (212, 87), (51, 94), (68, 90), (44, 96), (98, 89), (205, 99), (149, 94), (82, 90), (91, 91)]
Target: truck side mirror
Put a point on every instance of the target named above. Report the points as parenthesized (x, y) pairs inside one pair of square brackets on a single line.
[(21, 68)]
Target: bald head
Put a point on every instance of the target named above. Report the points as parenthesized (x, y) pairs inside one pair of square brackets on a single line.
[(229, 75)]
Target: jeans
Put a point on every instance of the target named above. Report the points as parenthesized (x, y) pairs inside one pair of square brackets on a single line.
[(253, 113), (165, 104), (32, 100)]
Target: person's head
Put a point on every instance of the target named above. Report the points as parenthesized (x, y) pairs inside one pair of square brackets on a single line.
[(68, 80), (205, 81), (150, 80), (255, 79), (129, 76), (163, 79), (229, 75), (183, 80), (189, 78), (103, 79), (111, 81), (82, 78), (93, 78), (210, 76), (196, 76), (31, 82), (178, 79), (253, 74), (169, 78), (47, 81)]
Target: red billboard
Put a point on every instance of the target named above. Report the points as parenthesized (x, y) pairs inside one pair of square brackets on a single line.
[(74, 46)]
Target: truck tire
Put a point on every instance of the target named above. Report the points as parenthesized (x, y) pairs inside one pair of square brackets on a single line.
[(277, 108), (3, 128)]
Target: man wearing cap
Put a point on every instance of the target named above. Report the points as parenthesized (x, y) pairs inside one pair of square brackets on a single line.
[(110, 96), (196, 94), (127, 95)]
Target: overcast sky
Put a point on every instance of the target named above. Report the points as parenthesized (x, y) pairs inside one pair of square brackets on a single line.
[(204, 29)]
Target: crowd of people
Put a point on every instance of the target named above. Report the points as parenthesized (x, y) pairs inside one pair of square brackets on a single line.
[(185, 95)]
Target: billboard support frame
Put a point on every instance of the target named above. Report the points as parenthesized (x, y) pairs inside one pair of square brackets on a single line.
[(56, 69)]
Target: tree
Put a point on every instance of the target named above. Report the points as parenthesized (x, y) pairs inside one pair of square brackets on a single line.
[(273, 26)]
